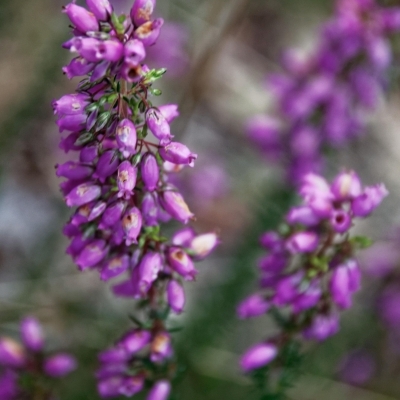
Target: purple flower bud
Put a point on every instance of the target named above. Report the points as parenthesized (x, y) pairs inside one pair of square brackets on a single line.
[(73, 122), (149, 267), (134, 52), (74, 171), (89, 154), (303, 215), (109, 50), (176, 296), (132, 224), (78, 67), (91, 255), (82, 194), (141, 11), (114, 355), (101, 9), (159, 391), (126, 179), (110, 387), (258, 356), (150, 172), (158, 126), (175, 205), (108, 163), (131, 385), (202, 245), (364, 204), (112, 215), (68, 143), (346, 186), (322, 327), (161, 347), (126, 137), (287, 289), (83, 20), (12, 354), (307, 298), (71, 104), (314, 186), (252, 306), (354, 275), (148, 32), (134, 341), (150, 210), (87, 48), (178, 153), (128, 288), (302, 242), (97, 210), (114, 267), (32, 334), (340, 221), (181, 263), (9, 389), (60, 365), (273, 263), (169, 111), (183, 237), (77, 245), (271, 241)]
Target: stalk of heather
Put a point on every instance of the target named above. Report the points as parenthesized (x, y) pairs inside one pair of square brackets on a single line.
[(119, 186), (26, 371), (324, 99), (310, 272)]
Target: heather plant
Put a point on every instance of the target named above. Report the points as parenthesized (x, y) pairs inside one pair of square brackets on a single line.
[(26, 369), (121, 189)]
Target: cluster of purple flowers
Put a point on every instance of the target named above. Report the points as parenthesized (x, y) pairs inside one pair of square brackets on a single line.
[(310, 271), (323, 99), (26, 360), (119, 184)]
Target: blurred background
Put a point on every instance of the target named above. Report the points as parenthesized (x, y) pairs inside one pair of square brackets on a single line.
[(217, 54)]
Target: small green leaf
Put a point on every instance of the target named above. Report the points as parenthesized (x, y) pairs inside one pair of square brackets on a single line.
[(102, 120), (84, 138), (156, 92), (362, 242)]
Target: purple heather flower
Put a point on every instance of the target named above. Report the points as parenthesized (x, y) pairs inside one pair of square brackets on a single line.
[(74, 171), (341, 221), (169, 111), (175, 205), (72, 122), (136, 340), (132, 224), (8, 385), (160, 391), (181, 263), (150, 171), (87, 48), (108, 164), (126, 137), (252, 306), (176, 296), (32, 334), (142, 11), (131, 74), (114, 355), (82, 194), (271, 241), (109, 50), (78, 67), (302, 242), (112, 215), (161, 347), (322, 327), (258, 356), (150, 210), (178, 153), (148, 32), (92, 254), (101, 9), (71, 104), (89, 154), (149, 267), (346, 185), (134, 52), (131, 385), (307, 298), (183, 237), (60, 365), (126, 179), (12, 354), (97, 210), (110, 387), (202, 245), (303, 215), (83, 20), (370, 199), (159, 126), (114, 266)]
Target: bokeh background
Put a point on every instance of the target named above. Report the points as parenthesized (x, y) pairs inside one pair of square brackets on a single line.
[(218, 53)]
